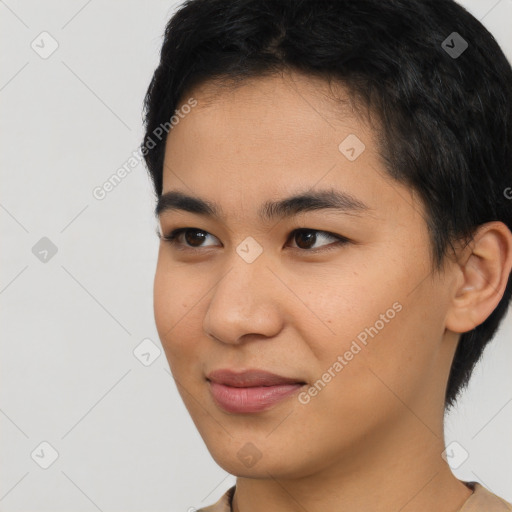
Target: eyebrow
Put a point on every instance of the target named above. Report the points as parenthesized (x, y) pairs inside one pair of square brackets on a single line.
[(335, 200)]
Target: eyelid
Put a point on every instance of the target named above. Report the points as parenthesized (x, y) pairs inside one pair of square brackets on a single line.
[(172, 236), (175, 233)]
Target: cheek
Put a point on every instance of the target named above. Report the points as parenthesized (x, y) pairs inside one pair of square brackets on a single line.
[(165, 302), (347, 302), (389, 354), (374, 323), (176, 305), (176, 292), (358, 382)]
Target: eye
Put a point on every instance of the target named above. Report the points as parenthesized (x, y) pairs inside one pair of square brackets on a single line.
[(192, 238), (309, 237)]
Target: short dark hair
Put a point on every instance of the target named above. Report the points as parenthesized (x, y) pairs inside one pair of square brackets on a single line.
[(445, 117)]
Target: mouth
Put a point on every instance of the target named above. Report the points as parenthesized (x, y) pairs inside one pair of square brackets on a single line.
[(251, 391)]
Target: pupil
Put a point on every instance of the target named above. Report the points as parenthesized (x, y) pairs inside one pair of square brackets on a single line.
[(190, 239), (308, 235)]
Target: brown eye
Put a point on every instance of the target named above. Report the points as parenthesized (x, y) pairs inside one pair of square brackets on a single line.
[(194, 237), (191, 238), (307, 238)]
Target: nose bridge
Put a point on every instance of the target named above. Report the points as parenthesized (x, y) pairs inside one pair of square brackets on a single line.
[(244, 300)]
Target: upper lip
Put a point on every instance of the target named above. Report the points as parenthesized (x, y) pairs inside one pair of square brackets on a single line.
[(249, 378)]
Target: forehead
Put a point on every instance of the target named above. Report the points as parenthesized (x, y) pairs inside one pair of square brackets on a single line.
[(286, 100), (243, 145)]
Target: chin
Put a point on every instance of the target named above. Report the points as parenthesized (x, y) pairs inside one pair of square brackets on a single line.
[(249, 462)]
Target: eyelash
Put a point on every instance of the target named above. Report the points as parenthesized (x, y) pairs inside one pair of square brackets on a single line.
[(172, 237)]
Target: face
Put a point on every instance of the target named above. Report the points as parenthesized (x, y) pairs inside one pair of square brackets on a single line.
[(341, 300)]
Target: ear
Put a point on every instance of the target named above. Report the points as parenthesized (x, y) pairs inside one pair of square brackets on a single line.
[(484, 268)]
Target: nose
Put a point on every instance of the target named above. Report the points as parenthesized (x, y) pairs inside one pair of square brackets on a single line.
[(247, 300)]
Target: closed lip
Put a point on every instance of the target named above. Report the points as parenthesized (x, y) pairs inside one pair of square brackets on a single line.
[(250, 378)]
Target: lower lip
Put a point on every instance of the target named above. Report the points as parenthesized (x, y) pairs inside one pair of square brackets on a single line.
[(253, 399)]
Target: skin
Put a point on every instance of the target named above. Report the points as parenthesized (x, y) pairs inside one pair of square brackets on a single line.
[(372, 439)]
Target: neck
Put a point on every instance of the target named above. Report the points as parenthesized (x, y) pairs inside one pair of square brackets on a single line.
[(400, 469)]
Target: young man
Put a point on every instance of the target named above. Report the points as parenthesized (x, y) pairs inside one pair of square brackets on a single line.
[(336, 245)]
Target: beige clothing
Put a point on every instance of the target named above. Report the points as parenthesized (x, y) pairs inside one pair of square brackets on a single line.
[(482, 500)]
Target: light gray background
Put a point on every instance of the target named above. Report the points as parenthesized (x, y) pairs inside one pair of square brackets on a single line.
[(69, 326)]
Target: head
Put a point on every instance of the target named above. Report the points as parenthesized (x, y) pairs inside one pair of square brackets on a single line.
[(281, 108)]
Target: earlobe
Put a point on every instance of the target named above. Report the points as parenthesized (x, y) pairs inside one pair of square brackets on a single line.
[(484, 267)]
